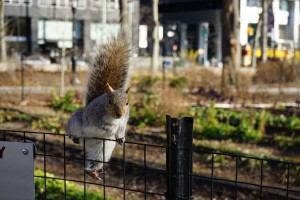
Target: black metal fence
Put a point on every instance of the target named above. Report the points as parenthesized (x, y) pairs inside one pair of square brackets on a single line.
[(176, 170)]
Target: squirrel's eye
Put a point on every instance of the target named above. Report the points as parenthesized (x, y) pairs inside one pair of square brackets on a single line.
[(109, 102), (127, 103)]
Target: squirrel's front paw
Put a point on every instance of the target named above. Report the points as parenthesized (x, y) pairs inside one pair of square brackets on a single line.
[(120, 141), (74, 139)]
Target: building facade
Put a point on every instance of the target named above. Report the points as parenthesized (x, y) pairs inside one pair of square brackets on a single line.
[(197, 25), (41, 25)]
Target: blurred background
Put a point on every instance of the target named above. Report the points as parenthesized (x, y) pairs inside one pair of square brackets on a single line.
[(233, 65)]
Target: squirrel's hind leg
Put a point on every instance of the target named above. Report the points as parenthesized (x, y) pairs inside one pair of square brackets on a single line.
[(98, 152)]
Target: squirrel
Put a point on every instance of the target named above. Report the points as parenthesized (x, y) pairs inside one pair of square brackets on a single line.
[(106, 112)]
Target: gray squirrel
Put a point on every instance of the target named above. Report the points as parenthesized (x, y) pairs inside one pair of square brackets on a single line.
[(107, 109)]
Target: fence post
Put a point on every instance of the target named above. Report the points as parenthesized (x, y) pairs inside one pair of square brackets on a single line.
[(179, 158)]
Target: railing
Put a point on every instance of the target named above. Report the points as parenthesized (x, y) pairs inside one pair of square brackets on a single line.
[(177, 170)]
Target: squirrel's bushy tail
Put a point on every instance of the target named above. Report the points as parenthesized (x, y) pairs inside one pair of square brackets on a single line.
[(110, 66)]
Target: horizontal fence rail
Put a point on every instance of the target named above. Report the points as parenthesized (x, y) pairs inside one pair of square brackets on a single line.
[(141, 171)]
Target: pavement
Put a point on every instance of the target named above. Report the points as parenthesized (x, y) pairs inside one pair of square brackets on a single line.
[(48, 89)]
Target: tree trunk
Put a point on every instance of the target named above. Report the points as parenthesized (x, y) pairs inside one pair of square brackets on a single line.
[(264, 31), (155, 50), (226, 42), (236, 34), (257, 33), (123, 14), (2, 33)]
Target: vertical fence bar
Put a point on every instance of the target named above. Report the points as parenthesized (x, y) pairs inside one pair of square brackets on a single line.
[(179, 158), (65, 175), (236, 175), (4, 135), (261, 178), (84, 164), (24, 136), (287, 181), (103, 162), (45, 179), (212, 176), (145, 173), (124, 171)]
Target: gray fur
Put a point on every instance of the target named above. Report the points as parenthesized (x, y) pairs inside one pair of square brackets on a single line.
[(99, 119)]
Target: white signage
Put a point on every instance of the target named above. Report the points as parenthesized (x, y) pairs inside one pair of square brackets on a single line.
[(16, 171), (143, 36), (55, 30), (102, 32)]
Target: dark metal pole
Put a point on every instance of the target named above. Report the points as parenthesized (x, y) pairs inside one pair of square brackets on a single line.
[(74, 79), (179, 158), (22, 77), (28, 28)]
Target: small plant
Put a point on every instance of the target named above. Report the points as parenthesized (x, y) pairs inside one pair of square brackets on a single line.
[(67, 103), (53, 124), (146, 83), (6, 116), (55, 189), (179, 82), (143, 112)]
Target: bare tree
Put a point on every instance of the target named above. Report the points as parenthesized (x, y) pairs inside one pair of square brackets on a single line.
[(155, 50), (264, 30), (123, 14), (257, 34), (236, 35), (2, 33), (227, 12), (261, 30)]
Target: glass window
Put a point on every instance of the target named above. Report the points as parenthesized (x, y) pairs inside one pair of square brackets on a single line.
[(43, 3), (96, 3), (283, 5), (112, 4), (25, 2), (254, 3), (15, 2), (62, 3), (81, 4)]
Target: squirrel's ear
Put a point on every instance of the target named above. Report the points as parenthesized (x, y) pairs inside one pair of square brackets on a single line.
[(108, 88), (128, 90)]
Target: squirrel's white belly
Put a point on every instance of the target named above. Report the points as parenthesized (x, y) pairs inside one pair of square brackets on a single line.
[(99, 132)]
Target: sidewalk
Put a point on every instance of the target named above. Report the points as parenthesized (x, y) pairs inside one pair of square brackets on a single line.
[(49, 89), (36, 89)]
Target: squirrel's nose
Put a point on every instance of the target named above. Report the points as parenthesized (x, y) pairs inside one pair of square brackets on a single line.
[(120, 113)]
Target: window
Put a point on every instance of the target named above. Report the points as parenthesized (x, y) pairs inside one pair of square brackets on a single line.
[(43, 3), (25, 2), (62, 3), (283, 5), (96, 4), (254, 3), (112, 4), (18, 2), (15, 2), (81, 4)]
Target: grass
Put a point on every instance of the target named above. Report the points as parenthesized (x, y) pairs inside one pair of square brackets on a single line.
[(56, 189)]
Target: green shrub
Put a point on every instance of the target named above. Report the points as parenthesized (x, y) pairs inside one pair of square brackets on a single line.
[(284, 141), (66, 103), (210, 131), (146, 83), (179, 82), (55, 189), (144, 112), (53, 124), (245, 133), (6, 116)]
